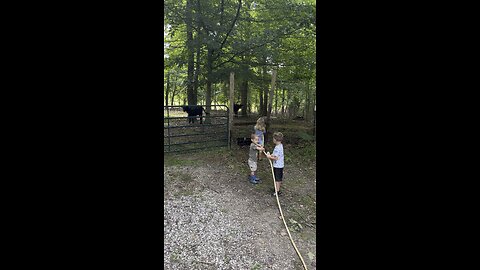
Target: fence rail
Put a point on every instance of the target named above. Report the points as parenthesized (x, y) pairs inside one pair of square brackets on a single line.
[(179, 137)]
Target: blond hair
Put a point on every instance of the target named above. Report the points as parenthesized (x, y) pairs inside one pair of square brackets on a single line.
[(260, 124), (278, 136)]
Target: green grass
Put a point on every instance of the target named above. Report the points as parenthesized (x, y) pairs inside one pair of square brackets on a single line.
[(302, 154), (171, 159), (175, 113), (305, 136), (174, 257), (186, 178), (257, 266), (182, 183), (200, 157), (307, 235)]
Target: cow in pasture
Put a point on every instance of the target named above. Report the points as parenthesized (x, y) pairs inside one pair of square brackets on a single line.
[(237, 107), (193, 111), (244, 141)]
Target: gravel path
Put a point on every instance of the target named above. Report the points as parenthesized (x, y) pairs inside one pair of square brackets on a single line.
[(221, 226)]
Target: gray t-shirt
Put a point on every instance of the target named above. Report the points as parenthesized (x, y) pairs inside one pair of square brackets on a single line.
[(252, 154)]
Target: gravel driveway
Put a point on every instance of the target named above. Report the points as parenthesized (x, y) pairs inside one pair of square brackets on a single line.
[(224, 224)]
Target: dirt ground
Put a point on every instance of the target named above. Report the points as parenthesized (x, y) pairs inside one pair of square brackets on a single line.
[(233, 224)]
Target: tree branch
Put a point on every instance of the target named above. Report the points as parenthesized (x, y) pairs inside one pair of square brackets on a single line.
[(253, 47), (229, 30)]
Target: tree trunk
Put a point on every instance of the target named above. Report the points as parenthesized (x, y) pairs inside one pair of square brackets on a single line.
[(314, 109), (208, 94), (276, 101), (260, 108), (230, 105), (270, 101), (214, 86), (196, 72), (197, 58), (270, 98), (265, 92), (304, 104), (190, 52), (168, 89), (283, 102), (173, 92), (244, 92), (307, 103)]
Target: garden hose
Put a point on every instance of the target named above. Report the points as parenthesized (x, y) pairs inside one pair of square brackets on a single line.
[(283, 218)]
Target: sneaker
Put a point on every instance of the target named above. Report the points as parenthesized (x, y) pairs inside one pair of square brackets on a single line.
[(279, 193), (257, 179), (252, 179)]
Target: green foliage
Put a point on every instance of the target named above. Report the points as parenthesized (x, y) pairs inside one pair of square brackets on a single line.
[(256, 266), (272, 34), (294, 225), (305, 136)]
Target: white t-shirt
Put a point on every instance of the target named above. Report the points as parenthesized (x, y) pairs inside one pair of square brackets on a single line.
[(278, 152)]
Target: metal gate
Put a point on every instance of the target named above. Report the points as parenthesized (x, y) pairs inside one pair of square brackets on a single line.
[(180, 134)]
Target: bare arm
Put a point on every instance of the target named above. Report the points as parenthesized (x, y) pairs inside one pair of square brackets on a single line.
[(272, 157), (259, 147)]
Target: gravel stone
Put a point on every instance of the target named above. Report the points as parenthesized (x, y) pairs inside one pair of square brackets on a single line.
[(222, 229)]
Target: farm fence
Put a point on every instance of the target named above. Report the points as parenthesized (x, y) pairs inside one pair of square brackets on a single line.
[(181, 135)]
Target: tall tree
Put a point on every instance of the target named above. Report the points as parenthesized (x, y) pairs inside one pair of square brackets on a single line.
[(190, 51), (207, 39), (270, 99)]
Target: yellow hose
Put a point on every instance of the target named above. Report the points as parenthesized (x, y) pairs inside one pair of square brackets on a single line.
[(283, 218)]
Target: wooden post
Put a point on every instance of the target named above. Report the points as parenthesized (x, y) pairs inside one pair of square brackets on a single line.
[(230, 116)]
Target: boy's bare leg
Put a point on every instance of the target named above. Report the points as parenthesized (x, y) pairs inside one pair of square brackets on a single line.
[(277, 185)]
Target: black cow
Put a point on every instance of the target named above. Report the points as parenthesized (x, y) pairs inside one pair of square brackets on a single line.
[(244, 141), (237, 107), (193, 111)]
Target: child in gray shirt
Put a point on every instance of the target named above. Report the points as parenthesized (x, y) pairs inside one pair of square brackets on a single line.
[(252, 158)]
